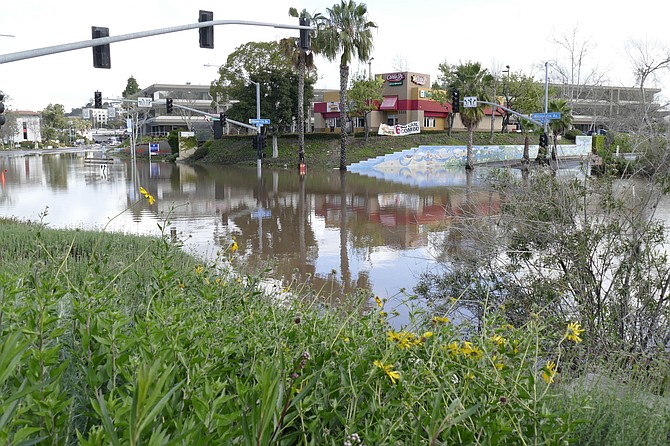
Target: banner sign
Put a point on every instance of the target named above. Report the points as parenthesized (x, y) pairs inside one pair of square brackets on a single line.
[(419, 79), (399, 130)]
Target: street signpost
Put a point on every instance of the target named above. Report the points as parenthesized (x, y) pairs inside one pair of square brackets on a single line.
[(470, 101), (259, 121), (144, 102), (545, 117)]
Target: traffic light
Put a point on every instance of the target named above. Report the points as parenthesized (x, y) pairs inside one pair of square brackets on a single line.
[(256, 142), (305, 43), (544, 140), (222, 118), (101, 56), (455, 101), (2, 110), (168, 105), (97, 99), (206, 33)]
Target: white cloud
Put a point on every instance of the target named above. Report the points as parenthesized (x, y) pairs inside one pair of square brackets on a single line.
[(493, 32)]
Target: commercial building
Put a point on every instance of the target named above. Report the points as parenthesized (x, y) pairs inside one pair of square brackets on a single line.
[(27, 128), (617, 108), (157, 122), (406, 98)]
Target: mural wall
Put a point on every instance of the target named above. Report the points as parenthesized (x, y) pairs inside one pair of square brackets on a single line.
[(442, 165)]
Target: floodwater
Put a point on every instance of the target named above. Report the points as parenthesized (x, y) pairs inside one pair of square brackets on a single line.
[(340, 232)]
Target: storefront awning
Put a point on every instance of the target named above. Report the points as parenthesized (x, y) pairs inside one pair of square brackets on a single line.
[(389, 103)]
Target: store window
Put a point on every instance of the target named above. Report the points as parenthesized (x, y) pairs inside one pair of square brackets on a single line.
[(392, 120), (359, 122), (331, 123), (429, 121)]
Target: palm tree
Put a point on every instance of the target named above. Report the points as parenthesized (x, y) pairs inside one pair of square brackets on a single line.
[(346, 31), (472, 80), (559, 126), (303, 60)]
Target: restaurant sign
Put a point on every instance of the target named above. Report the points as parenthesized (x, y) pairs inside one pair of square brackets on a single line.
[(394, 79), (419, 79), (399, 130)]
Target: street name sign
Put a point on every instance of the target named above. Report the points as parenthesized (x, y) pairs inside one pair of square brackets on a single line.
[(542, 117), (261, 121), (144, 102), (470, 101)]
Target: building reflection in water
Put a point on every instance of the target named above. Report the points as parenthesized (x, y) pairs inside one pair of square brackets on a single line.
[(340, 232)]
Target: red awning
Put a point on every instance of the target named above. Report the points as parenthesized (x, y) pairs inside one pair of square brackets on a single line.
[(389, 103)]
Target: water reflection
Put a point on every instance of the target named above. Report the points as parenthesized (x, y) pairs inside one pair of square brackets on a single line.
[(340, 231)]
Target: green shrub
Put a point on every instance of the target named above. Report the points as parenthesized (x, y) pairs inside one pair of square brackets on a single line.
[(173, 141), (598, 143), (573, 133)]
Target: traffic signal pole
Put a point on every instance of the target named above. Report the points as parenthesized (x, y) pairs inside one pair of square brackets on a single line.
[(29, 54)]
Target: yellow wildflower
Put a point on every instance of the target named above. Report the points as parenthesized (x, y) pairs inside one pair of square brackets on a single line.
[(393, 336), (440, 320), (549, 372), (470, 350), (380, 304), (426, 335), (498, 340), (573, 331), (393, 375), (497, 362), (453, 348), (234, 247), (147, 195), (405, 339), (199, 269)]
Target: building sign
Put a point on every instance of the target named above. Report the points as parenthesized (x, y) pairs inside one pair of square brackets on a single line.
[(394, 77), (399, 130), (425, 94), (332, 107), (419, 79), (395, 84)]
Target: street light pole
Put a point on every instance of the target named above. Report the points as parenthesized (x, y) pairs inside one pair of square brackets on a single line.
[(546, 94), (370, 67), (258, 112)]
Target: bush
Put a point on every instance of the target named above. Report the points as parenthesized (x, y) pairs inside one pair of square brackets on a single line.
[(573, 134), (598, 143), (173, 141)]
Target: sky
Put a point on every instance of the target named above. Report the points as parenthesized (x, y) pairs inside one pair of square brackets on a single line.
[(414, 35)]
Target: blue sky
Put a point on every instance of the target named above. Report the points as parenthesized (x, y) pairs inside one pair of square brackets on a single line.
[(417, 35)]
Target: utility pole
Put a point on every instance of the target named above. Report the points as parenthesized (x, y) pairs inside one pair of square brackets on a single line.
[(546, 93)]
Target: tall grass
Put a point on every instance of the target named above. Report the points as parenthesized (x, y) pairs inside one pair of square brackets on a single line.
[(112, 339)]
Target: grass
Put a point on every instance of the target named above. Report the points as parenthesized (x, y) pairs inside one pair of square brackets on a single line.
[(323, 149), (123, 340)]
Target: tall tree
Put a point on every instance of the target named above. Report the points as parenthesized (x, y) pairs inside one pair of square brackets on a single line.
[(364, 96), (132, 88), (246, 61), (524, 95), (279, 92), (559, 126), (347, 32), (647, 58), (443, 88), (472, 80), (302, 59), (53, 121)]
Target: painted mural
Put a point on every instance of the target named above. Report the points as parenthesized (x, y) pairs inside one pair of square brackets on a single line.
[(442, 165)]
